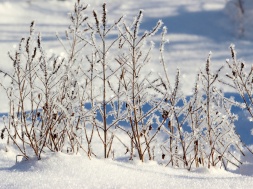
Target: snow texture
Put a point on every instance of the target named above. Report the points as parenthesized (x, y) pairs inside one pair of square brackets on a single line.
[(63, 171)]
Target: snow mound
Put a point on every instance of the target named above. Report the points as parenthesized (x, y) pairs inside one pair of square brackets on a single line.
[(59, 170)]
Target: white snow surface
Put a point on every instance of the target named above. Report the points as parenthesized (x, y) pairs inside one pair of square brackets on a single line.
[(59, 170), (194, 28)]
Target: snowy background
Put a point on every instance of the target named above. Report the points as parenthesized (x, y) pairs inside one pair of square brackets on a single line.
[(195, 27)]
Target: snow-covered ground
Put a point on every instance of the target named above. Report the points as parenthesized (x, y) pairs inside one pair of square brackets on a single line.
[(64, 171), (195, 27)]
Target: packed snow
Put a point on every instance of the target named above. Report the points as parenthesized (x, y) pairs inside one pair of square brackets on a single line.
[(194, 29), (64, 171)]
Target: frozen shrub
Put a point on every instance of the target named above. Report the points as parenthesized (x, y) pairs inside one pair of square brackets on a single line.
[(34, 115), (240, 79), (138, 89), (201, 129)]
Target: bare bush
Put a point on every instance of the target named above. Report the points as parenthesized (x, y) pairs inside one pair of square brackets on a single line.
[(33, 114), (241, 80), (201, 130), (137, 87)]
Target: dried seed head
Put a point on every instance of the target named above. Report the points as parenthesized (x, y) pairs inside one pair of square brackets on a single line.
[(190, 108), (39, 41), (54, 116), (242, 65), (2, 134), (31, 27), (150, 127), (55, 136), (165, 114), (104, 15), (27, 45), (45, 107), (96, 19), (232, 51), (234, 73), (34, 52)]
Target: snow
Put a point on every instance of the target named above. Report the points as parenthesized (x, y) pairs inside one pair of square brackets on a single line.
[(64, 171), (242, 18), (194, 29)]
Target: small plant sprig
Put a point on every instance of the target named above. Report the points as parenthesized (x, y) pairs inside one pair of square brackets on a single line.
[(241, 80)]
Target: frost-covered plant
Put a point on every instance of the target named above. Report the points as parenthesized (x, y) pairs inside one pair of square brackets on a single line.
[(75, 84), (216, 131), (33, 114), (46, 102), (139, 89), (201, 129), (106, 67), (241, 79), (175, 112)]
